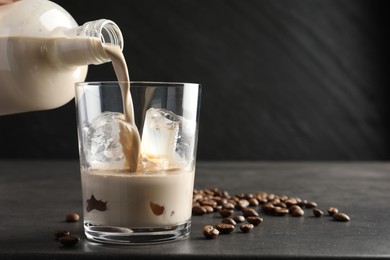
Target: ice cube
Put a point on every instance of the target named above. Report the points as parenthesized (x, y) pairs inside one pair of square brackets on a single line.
[(104, 149), (167, 140)]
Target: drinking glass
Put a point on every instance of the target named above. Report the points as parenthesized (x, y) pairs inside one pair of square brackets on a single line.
[(151, 201)]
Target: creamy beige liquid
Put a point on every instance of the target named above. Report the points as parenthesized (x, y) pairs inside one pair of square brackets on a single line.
[(129, 136)]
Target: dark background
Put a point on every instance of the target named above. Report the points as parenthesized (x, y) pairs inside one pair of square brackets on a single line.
[(282, 80)]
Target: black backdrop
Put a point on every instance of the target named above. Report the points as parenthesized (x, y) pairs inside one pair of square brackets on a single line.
[(282, 80)]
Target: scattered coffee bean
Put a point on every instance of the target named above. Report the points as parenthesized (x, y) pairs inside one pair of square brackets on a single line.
[(278, 211), (294, 207), (239, 218), (298, 212), (216, 200), (198, 210), (253, 202), (228, 205), (225, 212), (69, 240), (311, 204), (246, 228), (210, 203), (72, 217), (290, 202), (208, 209), (225, 228), (61, 233), (249, 212), (339, 216), (317, 212), (210, 232), (332, 210), (228, 221), (242, 203), (254, 220)]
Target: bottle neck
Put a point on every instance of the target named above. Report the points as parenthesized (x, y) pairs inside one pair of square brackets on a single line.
[(84, 45), (105, 30)]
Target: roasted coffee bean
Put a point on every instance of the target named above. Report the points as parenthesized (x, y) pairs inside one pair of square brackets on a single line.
[(61, 233), (208, 209), (225, 212), (294, 207), (239, 218), (290, 202), (72, 217), (69, 240), (210, 203), (246, 228), (254, 220), (249, 212), (228, 221), (283, 198), (242, 203), (248, 196), (270, 196), (302, 203), (317, 212), (228, 205), (339, 216), (332, 210), (311, 204), (261, 199), (298, 212), (268, 208), (278, 211), (210, 232), (280, 204), (253, 202), (225, 228), (198, 210)]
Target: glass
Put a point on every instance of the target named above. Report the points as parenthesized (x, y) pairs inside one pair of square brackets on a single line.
[(154, 203)]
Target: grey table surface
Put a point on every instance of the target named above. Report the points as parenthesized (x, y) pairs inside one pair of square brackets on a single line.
[(35, 197)]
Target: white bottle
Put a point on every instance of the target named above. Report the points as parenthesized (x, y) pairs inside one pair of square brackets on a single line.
[(43, 52)]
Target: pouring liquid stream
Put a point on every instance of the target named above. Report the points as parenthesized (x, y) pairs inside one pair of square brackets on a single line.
[(129, 134)]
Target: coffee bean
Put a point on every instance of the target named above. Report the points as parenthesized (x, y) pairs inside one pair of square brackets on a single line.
[(239, 218), (210, 203), (311, 204), (228, 221), (69, 240), (61, 233), (225, 212), (210, 232), (249, 212), (290, 202), (254, 220), (225, 228), (268, 208), (339, 216), (332, 210), (198, 210), (72, 217), (246, 228), (208, 209), (294, 207), (278, 211), (228, 205), (253, 202), (242, 203), (298, 212), (317, 212)]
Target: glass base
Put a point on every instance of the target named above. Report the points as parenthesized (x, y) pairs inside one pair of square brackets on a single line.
[(136, 236)]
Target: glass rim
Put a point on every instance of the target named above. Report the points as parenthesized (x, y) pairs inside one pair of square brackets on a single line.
[(139, 83)]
